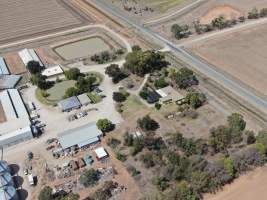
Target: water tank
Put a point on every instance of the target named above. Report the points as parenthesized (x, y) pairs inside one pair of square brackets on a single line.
[(5, 179), (4, 167), (8, 193)]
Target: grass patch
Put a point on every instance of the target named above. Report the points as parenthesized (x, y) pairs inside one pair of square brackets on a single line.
[(42, 99), (99, 76), (95, 98), (57, 92)]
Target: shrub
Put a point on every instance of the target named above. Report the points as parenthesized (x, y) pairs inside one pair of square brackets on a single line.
[(89, 178), (105, 125), (147, 123)]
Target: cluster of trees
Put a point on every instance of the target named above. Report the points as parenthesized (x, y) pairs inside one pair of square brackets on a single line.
[(83, 84), (183, 31), (105, 192), (147, 123), (105, 125), (160, 83), (47, 193), (143, 62), (89, 177), (37, 78), (185, 172), (180, 31), (116, 73), (106, 56), (120, 97), (255, 13), (195, 99), (184, 78), (223, 136)]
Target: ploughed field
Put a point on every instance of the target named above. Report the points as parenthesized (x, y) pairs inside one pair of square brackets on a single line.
[(20, 18), (241, 55)]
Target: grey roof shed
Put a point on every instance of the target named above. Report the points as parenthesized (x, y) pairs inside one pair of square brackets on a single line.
[(69, 104)]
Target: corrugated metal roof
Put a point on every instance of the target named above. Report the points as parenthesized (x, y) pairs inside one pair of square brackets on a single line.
[(7, 105), (9, 81), (52, 71), (18, 103), (7, 193), (28, 55), (84, 99), (80, 135), (69, 103), (3, 67)]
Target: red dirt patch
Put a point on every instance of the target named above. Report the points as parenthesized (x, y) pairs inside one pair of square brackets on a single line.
[(224, 10), (15, 64)]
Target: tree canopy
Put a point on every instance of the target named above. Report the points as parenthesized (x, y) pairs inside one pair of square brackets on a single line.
[(72, 74), (105, 125), (89, 177), (142, 62), (34, 67), (147, 123)]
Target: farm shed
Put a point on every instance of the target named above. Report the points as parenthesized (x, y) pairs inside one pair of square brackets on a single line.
[(8, 193), (69, 104), (28, 55), (53, 71), (3, 67), (16, 136), (80, 137), (169, 95), (84, 99), (152, 97), (101, 153), (9, 81)]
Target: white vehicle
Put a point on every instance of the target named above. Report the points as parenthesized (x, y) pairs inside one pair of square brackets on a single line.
[(31, 180)]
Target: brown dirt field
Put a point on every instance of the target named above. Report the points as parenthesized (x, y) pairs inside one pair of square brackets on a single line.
[(20, 18), (224, 10), (2, 114), (15, 64), (45, 57), (242, 55), (247, 187)]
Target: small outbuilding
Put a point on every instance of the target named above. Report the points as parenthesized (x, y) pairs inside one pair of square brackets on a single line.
[(52, 72), (169, 95), (152, 97), (84, 99), (69, 104), (101, 153)]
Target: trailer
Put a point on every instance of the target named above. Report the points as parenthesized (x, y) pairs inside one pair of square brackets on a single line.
[(31, 179)]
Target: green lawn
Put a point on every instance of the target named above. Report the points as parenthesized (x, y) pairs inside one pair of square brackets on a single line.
[(57, 92)]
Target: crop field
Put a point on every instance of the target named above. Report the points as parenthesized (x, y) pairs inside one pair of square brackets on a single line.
[(242, 55), (23, 18), (15, 64)]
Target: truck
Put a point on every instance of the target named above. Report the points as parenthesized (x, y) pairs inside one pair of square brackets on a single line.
[(31, 180)]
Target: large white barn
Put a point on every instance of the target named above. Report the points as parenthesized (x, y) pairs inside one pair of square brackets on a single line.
[(28, 55)]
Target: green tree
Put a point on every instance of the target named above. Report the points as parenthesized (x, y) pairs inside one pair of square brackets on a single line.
[(160, 83), (228, 166), (73, 74), (262, 137), (251, 139), (195, 99), (185, 191), (184, 78), (119, 97), (147, 123), (236, 122), (40, 81), (105, 125), (89, 177), (180, 31), (220, 138), (143, 62), (220, 22), (34, 67), (70, 92), (45, 194), (85, 84), (253, 14)]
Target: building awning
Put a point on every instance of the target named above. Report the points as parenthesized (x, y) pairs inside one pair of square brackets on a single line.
[(87, 142)]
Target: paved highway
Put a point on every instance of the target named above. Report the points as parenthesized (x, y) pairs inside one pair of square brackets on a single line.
[(194, 62)]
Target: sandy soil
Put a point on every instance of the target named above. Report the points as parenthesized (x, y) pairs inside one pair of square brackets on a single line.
[(247, 187), (15, 64), (224, 10), (241, 55)]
